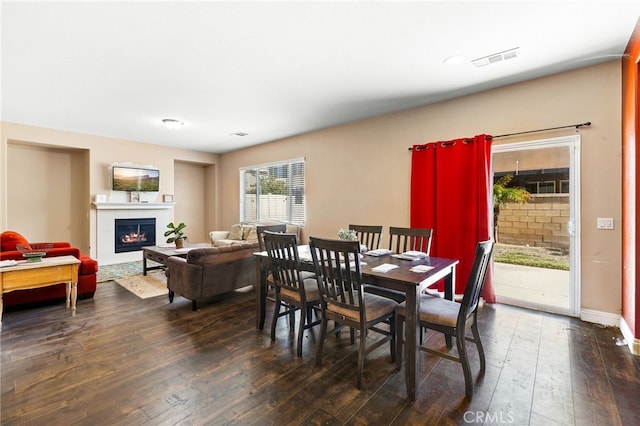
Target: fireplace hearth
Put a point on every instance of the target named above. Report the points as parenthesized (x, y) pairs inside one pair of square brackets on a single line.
[(133, 234)]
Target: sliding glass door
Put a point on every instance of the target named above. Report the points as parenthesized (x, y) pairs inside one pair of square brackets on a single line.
[(536, 261)]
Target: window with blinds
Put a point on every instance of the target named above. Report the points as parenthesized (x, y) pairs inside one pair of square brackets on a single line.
[(273, 191)]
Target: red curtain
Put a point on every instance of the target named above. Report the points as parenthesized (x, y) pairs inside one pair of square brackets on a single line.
[(451, 187)]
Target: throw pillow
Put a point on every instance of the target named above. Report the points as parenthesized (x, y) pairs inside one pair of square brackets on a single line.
[(236, 232), (9, 240), (250, 233)]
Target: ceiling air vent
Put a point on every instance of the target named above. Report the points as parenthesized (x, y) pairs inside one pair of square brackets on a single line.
[(496, 57)]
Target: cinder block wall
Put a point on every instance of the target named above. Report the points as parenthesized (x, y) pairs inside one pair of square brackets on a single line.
[(542, 222)]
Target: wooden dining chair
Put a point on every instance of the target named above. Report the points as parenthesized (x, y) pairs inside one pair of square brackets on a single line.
[(453, 318), (406, 239), (368, 235), (294, 290), (343, 300), (260, 230), (400, 241)]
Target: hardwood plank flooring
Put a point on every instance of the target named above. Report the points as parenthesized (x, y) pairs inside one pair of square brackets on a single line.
[(128, 361)]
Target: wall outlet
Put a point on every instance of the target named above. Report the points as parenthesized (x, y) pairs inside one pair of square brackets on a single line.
[(605, 223)]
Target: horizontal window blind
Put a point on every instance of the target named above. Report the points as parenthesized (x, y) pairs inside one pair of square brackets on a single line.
[(274, 191)]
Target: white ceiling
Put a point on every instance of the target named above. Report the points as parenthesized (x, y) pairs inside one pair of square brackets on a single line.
[(277, 69)]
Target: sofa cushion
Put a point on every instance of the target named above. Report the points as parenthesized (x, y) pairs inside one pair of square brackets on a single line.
[(227, 242), (250, 233), (10, 239), (236, 232)]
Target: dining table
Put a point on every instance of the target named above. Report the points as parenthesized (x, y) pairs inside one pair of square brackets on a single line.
[(403, 278)]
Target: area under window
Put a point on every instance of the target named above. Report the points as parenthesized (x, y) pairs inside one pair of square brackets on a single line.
[(273, 191)]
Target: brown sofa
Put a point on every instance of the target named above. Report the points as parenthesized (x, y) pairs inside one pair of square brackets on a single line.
[(210, 271)]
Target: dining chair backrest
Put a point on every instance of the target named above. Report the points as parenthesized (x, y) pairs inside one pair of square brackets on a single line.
[(284, 263), (368, 235), (406, 239), (260, 229), (337, 267), (476, 280)]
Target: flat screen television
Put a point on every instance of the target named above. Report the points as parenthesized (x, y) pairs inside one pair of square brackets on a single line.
[(135, 179)]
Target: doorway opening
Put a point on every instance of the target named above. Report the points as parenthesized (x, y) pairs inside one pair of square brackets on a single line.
[(536, 259)]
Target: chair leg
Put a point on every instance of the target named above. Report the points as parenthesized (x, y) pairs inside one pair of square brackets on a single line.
[(399, 341), (392, 330), (274, 320), (323, 331), (464, 360), (476, 337), (361, 355), (292, 318), (301, 329), (171, 293), (194, 305)]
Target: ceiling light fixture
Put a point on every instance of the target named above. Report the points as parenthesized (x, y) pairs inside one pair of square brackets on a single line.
[(454, 60), (172, 124), (496, 57)]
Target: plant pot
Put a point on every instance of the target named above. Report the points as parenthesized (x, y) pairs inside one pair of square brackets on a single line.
[(179, 243)]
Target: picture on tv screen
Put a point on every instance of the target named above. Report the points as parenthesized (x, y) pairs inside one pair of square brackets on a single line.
[(135, 179)]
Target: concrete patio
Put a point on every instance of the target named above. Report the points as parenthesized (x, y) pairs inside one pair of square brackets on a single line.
[(534, 286)]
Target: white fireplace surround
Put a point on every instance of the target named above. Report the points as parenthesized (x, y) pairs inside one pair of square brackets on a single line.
[(107, 213)]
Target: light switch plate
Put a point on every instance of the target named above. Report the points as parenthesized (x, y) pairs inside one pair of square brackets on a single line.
[(605, 223)]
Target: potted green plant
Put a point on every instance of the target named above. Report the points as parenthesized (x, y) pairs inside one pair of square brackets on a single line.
[(177, 232)]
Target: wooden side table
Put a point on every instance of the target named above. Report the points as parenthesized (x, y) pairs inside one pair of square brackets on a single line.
[(50, 271)]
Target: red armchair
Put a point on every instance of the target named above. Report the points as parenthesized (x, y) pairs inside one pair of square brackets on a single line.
[(87, 273)]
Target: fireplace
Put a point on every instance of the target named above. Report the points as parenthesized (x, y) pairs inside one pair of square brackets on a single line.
[(133, 234)]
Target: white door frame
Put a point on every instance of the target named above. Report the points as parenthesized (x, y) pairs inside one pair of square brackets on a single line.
[(573, 143)]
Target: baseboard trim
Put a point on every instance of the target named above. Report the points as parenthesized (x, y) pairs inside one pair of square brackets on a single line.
[(632, 342), (599, 317)]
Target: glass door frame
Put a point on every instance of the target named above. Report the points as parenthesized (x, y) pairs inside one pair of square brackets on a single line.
[(573, 144)]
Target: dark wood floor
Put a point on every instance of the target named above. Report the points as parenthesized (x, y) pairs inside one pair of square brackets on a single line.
[(128, 361)]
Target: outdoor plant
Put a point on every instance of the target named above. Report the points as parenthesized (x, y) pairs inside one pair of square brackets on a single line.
[(503, 194), (177, 232)]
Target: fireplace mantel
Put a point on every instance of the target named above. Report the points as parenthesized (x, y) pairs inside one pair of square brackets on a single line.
[(133, 206)]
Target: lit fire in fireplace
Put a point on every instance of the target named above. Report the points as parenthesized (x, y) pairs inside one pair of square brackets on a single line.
[(133, 237), (133, 234)]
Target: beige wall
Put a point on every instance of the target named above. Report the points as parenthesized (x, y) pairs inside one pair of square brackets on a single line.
[(48, 184), (190, 195), (360, 172), (52, 155)]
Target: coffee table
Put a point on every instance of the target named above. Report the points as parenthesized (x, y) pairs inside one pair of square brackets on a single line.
[(49, 271), (159, 254)]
